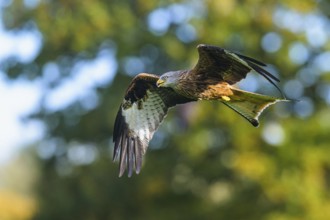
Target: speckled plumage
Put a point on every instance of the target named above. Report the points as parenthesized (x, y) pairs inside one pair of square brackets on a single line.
[(142, 110)]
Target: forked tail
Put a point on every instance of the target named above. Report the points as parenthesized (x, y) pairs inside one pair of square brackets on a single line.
[(249, 105)]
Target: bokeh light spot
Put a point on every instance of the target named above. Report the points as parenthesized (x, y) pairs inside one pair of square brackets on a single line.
[(293, 89), (273, 133), (304, 108), (186, 33), (298, 53), (81, 154), (159, 21), (271, 42)]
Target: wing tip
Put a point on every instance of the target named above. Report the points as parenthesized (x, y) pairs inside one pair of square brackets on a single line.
[(129, 174), (120, 174), (129, 152), (207, 46), (201, 45)]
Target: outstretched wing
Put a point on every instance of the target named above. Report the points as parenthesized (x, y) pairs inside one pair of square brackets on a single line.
[(143, 109), (220, 64)]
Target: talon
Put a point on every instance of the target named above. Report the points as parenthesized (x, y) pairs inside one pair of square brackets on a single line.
[(225, 98)]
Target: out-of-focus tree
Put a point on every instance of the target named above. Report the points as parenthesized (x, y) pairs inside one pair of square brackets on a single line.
[(205, 161), (16, 184)]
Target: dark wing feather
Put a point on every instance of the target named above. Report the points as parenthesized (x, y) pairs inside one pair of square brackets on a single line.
[(215, 62), (251, 60), (143, 109)]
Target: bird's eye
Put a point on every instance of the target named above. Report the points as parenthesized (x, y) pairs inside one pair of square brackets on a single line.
[(165, 77)]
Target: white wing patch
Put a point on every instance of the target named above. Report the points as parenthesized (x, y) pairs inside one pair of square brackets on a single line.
[(144, 119)]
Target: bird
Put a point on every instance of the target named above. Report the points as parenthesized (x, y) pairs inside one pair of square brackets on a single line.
[(149, 96)]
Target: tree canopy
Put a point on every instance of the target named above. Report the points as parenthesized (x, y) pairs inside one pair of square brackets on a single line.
[(205, 162)]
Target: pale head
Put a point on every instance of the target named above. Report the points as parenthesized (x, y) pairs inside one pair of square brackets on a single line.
[(169, 79)]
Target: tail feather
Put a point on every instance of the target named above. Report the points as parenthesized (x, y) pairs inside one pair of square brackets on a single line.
[(250, 105)]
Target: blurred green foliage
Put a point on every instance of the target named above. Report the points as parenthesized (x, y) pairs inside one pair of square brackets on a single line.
[(205, 162)]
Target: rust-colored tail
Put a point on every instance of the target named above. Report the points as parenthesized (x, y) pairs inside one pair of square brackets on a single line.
[(249, 105)]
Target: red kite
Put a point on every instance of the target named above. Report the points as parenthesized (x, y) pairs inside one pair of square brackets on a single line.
[(149, 96)]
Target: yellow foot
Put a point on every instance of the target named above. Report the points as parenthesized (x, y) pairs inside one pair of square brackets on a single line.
[(225, 98)]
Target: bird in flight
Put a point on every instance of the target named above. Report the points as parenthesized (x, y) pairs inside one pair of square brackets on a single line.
[(149, 97)]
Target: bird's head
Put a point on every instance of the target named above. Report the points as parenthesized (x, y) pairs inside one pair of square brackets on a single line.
[(169, 79)]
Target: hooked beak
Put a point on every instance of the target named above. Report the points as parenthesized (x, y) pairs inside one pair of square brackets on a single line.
[(160, 82)]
